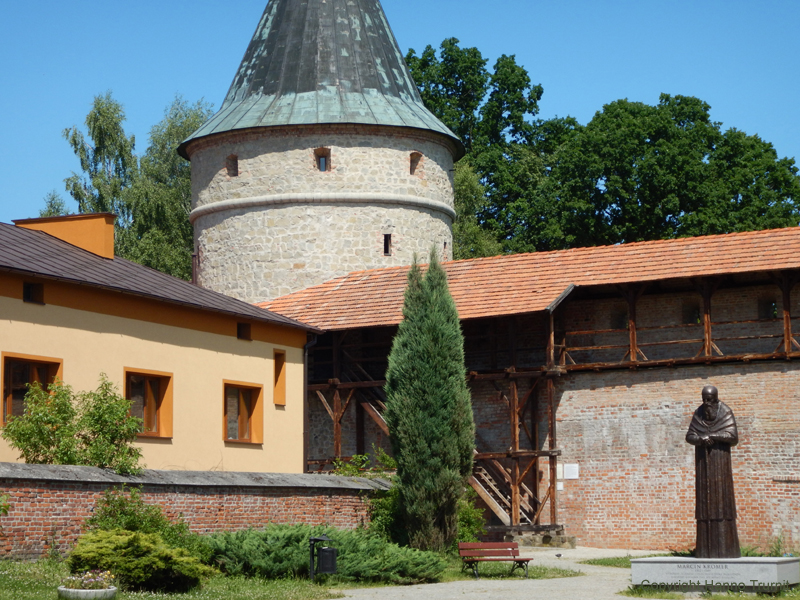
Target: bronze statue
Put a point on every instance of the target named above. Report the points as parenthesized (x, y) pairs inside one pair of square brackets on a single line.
[(712, 433)]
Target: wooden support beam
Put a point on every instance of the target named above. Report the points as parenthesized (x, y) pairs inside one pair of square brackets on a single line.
[(538, 514), (632, 295), (786, 283), (346, 385), (337, 424), (513, 414), (515, 479), (326, 405), (706, 288), (359, 428), (520, 454), (551, 344), (551, 414), (376, 416)]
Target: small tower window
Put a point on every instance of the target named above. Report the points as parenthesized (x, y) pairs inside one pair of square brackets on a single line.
[(232, 165), (416, 157), (387, 244), (323, 159)]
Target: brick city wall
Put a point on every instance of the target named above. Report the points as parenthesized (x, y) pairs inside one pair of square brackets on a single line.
[(626, 430), (49, 504)]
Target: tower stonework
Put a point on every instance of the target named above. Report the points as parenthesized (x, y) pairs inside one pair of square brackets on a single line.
[(322, 160)]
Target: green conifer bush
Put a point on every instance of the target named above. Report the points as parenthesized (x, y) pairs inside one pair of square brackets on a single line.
[(428, 411), (123, 508), (282, 550), (139, 561)]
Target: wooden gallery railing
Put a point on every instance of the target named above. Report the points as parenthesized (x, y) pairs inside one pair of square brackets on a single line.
[(633, 353)]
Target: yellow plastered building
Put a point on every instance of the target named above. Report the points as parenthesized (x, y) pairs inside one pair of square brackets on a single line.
[(218, 383)]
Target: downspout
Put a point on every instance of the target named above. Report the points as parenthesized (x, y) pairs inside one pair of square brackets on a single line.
[(306, 348)]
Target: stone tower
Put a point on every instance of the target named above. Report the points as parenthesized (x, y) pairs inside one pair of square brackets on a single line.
[(322, 159)]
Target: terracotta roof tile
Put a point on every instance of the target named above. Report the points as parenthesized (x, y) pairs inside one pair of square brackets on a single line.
[(523, 283)]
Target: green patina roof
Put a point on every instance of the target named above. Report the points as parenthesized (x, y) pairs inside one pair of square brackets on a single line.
[(322, 61)]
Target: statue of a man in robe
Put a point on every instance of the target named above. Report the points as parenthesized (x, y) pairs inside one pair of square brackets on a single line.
[(712, 433)]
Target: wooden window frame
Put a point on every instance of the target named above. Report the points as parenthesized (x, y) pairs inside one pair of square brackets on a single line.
[(55, 368), (279, 377), (164, 403), (256, 425)]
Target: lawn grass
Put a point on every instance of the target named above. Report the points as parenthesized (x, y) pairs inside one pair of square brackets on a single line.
[(622, 562), (38, 581)]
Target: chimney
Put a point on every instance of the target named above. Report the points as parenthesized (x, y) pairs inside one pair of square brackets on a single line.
[(94, 232)]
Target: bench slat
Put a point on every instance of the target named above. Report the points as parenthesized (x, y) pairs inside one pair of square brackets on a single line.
[(510, 553), (484, 545)]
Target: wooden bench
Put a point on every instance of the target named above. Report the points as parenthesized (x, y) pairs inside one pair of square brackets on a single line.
[(472, 553)]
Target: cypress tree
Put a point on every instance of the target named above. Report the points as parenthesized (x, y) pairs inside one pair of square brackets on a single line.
[(428, 410)]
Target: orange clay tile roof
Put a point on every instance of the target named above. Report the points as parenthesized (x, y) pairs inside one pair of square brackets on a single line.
[(524, 283)]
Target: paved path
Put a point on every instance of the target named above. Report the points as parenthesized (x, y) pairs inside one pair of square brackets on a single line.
[(597, 583)]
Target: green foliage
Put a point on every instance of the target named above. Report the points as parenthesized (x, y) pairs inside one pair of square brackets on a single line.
[(4, 506), (470, 240), (160, 235), (47, 432), (151, 196), (634, 172), (106, 429), (54, 206), (352, 467), (282, 550), (428, 410), (471, 522), (37, 580), (61, 427), (108, 163), (638, 172), (138, 560), (117, 509)]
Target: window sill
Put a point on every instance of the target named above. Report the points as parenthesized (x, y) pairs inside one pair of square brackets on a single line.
[(153, 436), (243, 443)]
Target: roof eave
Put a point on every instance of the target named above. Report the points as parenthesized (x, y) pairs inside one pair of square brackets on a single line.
[(295, 324)]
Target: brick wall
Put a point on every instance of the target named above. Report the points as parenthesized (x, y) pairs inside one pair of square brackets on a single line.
[(626, 430), (50, 504)]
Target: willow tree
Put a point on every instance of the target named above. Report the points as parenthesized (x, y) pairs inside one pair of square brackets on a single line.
[(428, 410)]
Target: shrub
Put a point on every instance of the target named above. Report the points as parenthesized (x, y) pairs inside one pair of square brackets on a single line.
[(282, 550), (106, 429), (47, 432), (60, 427), (470, 519), (118, 510), (138, 561)]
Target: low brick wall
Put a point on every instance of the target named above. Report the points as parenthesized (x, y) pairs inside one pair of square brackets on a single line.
[(49, 504)]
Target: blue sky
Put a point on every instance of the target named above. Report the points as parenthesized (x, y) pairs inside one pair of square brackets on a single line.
[(739, 56)]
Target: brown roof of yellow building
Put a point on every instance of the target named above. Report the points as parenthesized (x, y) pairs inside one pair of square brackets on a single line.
[(36, 253), (525, 283)]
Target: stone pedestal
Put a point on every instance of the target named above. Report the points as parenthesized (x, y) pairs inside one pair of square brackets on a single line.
[(746, 574)]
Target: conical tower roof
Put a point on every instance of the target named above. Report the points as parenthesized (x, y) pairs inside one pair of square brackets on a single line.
[(322, 61)]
